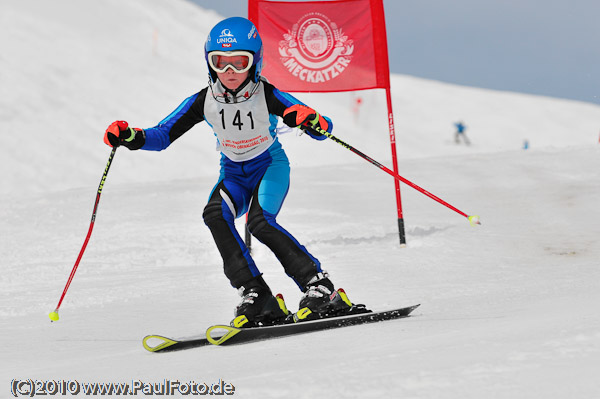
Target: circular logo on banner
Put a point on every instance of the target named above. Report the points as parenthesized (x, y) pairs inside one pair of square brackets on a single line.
[(315, 50), (316, 38)]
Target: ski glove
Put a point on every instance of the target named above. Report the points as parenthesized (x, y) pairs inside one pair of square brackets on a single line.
[(119, 133), (299, 115)]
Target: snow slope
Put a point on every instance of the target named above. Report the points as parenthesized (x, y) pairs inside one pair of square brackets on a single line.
[(507, 308)]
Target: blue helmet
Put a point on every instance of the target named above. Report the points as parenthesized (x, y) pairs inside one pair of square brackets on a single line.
[(235, 34)]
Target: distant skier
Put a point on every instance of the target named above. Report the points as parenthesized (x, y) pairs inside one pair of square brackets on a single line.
[(242, 109), (460, 132)]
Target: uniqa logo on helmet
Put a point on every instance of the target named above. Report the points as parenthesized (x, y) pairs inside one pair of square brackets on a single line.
[(316, 50), (226, 38)]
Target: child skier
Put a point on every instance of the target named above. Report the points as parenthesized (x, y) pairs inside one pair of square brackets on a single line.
[(242, 109)]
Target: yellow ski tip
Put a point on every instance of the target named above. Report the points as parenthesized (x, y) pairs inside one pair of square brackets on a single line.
[(155, 343), (223, 334)]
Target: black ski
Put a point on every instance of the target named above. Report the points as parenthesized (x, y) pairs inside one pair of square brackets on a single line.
[(227, 335)]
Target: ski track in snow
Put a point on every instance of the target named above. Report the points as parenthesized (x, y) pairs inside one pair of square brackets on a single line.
[(507, 308)]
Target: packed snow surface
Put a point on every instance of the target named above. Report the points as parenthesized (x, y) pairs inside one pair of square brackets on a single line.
[(508, 308)]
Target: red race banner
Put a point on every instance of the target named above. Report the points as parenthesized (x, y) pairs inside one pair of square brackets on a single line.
[(323, 46)]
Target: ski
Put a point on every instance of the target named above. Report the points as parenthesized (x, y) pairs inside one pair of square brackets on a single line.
[(227, 335)]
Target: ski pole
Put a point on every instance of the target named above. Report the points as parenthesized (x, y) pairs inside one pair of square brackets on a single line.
[(473, 219), (54, 315)]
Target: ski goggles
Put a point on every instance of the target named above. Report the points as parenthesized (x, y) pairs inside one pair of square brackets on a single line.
[(239, 61)]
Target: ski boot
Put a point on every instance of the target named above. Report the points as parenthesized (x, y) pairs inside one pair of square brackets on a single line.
[(259, 307), (321, 300)]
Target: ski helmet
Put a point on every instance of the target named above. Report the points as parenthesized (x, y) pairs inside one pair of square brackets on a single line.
[(235, 34)]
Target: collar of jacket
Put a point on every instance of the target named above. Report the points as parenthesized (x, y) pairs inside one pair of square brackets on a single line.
[(227, 96)]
